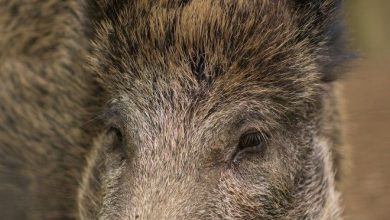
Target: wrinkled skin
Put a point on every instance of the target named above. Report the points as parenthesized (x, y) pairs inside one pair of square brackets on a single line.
[(178, 86)]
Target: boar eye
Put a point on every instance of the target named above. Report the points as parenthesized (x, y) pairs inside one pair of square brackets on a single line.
[(249, 142), (115, 136), (114, 132), (116, 148)]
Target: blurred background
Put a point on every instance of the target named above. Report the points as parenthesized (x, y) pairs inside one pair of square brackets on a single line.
[(367, 111)]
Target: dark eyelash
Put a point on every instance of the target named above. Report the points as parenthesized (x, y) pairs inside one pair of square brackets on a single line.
[(250, 140)]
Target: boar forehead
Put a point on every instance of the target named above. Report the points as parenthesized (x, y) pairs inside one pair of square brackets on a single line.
[(216, 50)]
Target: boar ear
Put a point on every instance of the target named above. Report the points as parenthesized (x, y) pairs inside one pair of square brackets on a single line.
[(321, 23), (317, 15)]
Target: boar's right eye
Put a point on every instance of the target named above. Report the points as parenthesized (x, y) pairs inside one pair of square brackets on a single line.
[(115, 147), (115, 137), (115, 133)]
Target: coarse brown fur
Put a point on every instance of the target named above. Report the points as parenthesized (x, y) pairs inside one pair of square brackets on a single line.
[(45, 97), (151, 127)]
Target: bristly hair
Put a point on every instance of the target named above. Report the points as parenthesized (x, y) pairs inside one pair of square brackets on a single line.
[(322, 21), (212, 36)]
